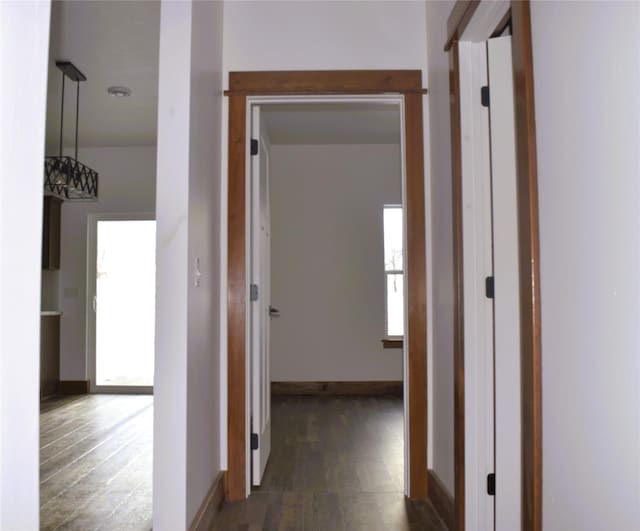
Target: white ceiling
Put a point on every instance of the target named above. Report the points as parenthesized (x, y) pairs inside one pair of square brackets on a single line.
[(116, 43), (112, 43), (332, 123)]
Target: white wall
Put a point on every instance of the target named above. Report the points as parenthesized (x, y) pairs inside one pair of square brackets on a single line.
[(328, 35), (127, 183), (327, 261), (276, 35), (172, 269), (438, 160), (24, 44), (203, 376), (587, 80), (186, 417)]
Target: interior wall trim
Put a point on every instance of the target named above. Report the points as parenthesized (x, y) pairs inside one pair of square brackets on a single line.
[(355, 388), (529, 257), (441, 500), (73, 387), (211, 505)]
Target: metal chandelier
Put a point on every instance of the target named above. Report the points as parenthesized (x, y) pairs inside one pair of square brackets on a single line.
[(64, 176)]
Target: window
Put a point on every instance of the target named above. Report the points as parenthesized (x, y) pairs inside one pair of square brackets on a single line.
[(393, 270)]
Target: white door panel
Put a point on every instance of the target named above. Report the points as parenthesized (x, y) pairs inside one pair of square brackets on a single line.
[(260, 319), (477, 266), (507, 301)]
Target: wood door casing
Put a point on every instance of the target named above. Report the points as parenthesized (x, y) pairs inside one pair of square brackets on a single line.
[(529, 250), (243, 84), (236, 303)]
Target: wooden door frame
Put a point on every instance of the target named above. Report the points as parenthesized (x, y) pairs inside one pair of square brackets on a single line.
[(529, 257), (407, 83)]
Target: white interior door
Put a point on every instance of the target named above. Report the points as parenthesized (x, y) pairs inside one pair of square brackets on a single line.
[(261, 310), (507, 300), (478, 308)]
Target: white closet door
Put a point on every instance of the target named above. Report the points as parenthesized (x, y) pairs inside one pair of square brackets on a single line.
[(260, 308), (507, 295)]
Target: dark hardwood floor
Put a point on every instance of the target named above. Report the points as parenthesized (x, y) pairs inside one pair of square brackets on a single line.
[(336, 465), (96, 462)]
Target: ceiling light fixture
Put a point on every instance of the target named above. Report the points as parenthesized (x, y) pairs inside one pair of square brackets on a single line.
[(119, 92), (66, 177)]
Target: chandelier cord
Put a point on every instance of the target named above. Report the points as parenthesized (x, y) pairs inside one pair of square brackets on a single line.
[(62, 114), (77, 113)]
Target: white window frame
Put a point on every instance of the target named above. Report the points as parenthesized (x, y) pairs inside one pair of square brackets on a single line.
[(388, 272)]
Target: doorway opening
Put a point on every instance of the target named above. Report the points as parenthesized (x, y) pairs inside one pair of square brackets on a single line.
[(327, 292), (98, 284), (252, 88)]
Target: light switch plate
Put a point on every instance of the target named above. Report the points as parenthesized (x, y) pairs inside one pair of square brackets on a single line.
[(196, 273)]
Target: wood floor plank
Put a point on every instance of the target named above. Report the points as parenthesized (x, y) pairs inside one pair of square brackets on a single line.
[(83, 490), (99, 471), (134, 514), (322, 512), (337, 464), (57, 454), (91, 414), (57, 402), (131, 479), (79, 466), (65, 410)]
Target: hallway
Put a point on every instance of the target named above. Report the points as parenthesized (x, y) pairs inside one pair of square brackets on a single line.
[(336, 465), (96, 462)]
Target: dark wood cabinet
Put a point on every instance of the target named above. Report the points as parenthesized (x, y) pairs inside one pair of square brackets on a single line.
[(51, 226), (49, 355)]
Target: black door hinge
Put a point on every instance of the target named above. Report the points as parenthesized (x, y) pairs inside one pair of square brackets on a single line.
[(253, 292), (491, 484), (254, 146), (484, 96), (254, 441), (489, 287)]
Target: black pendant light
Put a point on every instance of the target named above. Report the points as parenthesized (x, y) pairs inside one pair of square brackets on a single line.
[(66, 177)]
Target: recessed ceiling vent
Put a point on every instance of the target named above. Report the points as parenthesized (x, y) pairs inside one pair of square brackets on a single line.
[(64, 176)]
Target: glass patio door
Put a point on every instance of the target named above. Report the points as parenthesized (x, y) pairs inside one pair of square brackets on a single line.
[(124, 302)]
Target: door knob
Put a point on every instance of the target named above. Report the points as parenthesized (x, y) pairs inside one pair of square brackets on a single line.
[(274, 313)]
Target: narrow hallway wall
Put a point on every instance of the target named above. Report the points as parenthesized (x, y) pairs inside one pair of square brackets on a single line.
[(187, 423), (439, 164), (586, 59), (24, 44)]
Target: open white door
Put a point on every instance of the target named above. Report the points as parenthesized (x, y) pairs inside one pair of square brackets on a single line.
[(507, 295), (260, 300), (478, 306)]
